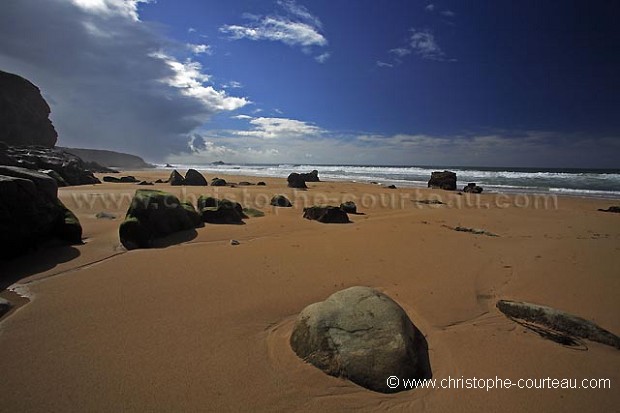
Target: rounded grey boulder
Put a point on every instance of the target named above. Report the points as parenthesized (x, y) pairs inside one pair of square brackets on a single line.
[(362, 335)]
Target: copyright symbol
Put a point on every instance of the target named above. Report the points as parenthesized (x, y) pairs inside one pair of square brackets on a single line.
[(393, 382)]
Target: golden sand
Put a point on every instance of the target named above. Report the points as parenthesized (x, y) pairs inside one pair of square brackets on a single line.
[(200, 325)]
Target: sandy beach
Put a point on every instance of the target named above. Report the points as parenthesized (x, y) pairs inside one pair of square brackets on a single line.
[(198, 324)]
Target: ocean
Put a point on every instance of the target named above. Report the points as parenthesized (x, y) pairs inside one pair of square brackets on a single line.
[(597, 183)]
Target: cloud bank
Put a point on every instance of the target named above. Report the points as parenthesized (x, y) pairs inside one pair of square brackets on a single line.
[(112, 81)]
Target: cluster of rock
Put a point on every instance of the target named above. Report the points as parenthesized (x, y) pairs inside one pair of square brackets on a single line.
[(154, 214), (31, 213), (64, 167), (364, 336), (326, 214), (298, 181), (447, 180)]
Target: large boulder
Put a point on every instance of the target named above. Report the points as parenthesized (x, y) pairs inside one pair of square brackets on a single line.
[(295, 180), (153, 214), (24, 114), (326, 214), (194, 178), (361, 335), (280, 201), (220, 211), (443, 180), (31, 213), (176, 179)]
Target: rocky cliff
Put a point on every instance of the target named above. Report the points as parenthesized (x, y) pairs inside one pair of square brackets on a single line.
[(24, 114)]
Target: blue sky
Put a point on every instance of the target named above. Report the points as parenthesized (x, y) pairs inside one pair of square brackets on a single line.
[(488, 83)]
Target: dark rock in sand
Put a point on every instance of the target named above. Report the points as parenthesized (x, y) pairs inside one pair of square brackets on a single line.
[(349, 207), (169, 166), (31, 213), (220, 211), (245, 183), (326, 214), (105, 215), (24, 114), (68, 226), (111, 179), (176, 179), (195, 178), (392, 187), (558, 322), (361, 335), (443, 180), (260, 183), (128, 179), (145, 183), (153, 214), (253, 212), (280, 201), (295, 180), (614, 209), (311, 176), (472, 188), (218, 182)]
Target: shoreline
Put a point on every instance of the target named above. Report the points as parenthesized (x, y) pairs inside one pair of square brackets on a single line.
[(491, 189)]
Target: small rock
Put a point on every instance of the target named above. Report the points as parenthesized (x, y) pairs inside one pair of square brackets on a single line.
[(349, 207), (218, 182), (392, 187), (261, 183), (295, 180), (105, 215), (145, 183), (472, 188), (326, 214), (280, 201), (234, 242), (614, 209)]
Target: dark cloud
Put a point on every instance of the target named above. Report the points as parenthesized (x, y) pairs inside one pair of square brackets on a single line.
[(110, 79)]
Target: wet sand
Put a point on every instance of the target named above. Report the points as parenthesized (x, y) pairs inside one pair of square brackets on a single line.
[(200, 325)]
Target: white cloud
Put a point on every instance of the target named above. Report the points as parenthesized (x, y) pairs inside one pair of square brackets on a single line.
[(322, 58), (279, 128), (112, 81), (188, 77), (401, 51), (232, 85), (301, 12), (424, 44), (448, 13), (243, 117), (199, 48), (277, 29), (430, 7), (384, 64), (126, 8), (298, 28)]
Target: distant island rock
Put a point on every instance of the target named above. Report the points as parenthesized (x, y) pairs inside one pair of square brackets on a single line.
[(218, 163), (110, 158), (24, 114)]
